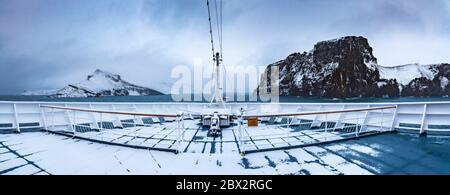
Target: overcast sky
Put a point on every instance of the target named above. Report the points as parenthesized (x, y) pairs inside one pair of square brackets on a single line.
[(45, 44)]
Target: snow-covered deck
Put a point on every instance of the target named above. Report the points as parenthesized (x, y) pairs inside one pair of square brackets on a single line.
[(92, 151), (43, 153), (195, 138), (52, 154)]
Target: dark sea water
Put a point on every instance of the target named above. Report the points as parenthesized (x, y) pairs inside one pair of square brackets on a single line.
[(168, 98), (400, 154)]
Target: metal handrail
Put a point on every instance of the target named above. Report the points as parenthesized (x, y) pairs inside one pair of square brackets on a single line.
[(108, 111), (320, 112)]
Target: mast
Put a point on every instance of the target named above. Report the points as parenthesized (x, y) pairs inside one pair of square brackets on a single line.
[(217, 57), (217, 94)]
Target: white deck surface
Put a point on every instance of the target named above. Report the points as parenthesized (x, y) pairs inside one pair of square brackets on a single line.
[(42, 153)]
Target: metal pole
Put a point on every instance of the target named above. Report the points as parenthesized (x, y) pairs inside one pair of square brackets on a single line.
[(423, 123), (74, 123), (357, 123), (16, 119), (326, 122), (289, 122), (101, 126), (178, 133), (43, 116), (135, 136), (290, 119), (53, 119), (394, 116), (101, 121), (241, 145), (182, 126), (382, 118)]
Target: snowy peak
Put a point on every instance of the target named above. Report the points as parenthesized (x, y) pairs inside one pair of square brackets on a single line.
[(100, 73), (422, 80), (406, 73), (100, 83), (101, 80)]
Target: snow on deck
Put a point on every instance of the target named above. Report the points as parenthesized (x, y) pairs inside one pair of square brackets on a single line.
[(195, 138), (42, 153), (47, 153)]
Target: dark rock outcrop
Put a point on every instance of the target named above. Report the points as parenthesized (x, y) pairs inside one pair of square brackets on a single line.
[(340, 68), (437, 84)]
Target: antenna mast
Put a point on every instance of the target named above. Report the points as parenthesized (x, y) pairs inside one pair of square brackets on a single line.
[(217, 96), (217, 57)]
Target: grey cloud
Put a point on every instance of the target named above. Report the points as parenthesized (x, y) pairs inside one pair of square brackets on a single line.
[(48, 43)]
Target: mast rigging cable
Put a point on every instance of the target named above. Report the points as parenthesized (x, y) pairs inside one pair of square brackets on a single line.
[(218, 16)]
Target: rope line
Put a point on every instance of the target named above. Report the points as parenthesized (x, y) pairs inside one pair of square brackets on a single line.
[(210, 28)]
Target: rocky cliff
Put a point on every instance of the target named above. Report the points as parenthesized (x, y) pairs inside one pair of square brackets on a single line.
[(347, 68)]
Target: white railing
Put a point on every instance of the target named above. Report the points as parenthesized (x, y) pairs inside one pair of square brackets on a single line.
[(360, 122), (96, 120), (408, 113)]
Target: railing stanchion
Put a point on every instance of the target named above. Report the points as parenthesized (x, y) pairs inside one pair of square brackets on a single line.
[(101, 126), (53, 120), (182, 127), (357, 124), (394, 116), (178, 119), (101, 121), (241, 145), (135, 131), (74, 129), (382, 117)]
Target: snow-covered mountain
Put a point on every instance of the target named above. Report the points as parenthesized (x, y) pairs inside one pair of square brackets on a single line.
[(420, 80), (405, 73), (40, 92), (100, 83), (346, 67)]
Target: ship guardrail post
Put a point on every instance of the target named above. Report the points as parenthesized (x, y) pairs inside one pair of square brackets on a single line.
[(53, 119), (179, 119), (43, 117), (101, 121), (74, 128), (394, 117), (101, 126), (289, 122), (183, 130), (241, 145), (16, 119), (357, 125), (423, 123), (382, 118)]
